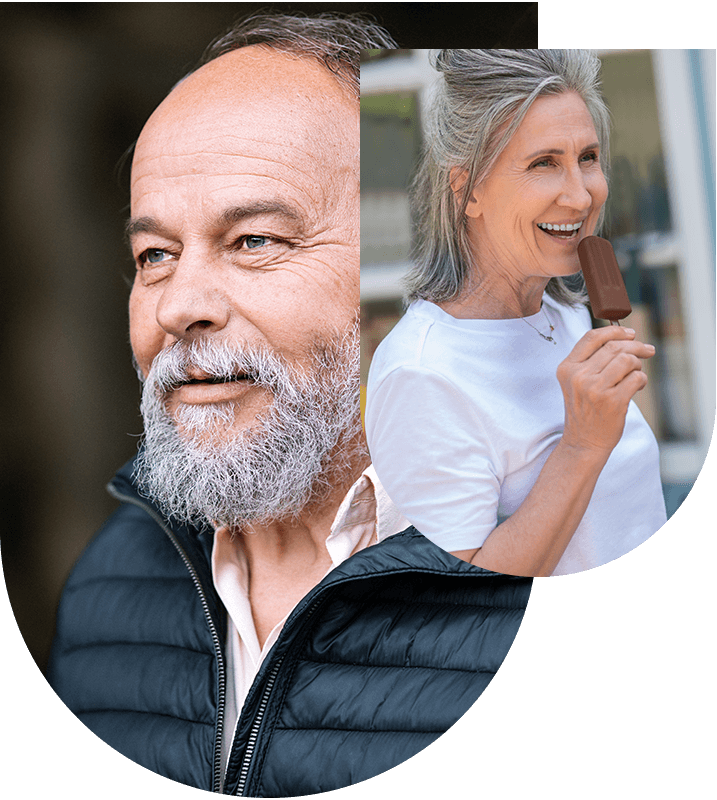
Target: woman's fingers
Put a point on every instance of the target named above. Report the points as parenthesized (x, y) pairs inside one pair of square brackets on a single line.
[(596, 338)]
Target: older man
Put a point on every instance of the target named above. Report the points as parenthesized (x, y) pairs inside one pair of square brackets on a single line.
[(251, 620)]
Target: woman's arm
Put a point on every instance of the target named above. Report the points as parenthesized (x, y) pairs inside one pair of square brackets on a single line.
[(533, 539), (598, 380)]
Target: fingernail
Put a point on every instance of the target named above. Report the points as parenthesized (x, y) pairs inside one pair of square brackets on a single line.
[(629, 330), (651, 346)]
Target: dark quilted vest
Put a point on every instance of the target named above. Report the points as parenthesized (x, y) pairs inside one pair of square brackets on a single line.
[(378, 660)]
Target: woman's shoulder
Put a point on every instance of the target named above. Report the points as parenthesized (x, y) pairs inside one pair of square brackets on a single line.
[(404, 343), (422, 327)]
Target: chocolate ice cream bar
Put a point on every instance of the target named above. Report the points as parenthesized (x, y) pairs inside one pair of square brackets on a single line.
[(606, 288)]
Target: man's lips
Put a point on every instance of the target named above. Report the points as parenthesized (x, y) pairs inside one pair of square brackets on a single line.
[(210, 389)]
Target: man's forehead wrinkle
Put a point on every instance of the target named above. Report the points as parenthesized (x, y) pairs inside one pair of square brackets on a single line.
[(249, 187), (225, 149), (238, 192), (200, 164), (311, 197), (295, 126), (145, 169)]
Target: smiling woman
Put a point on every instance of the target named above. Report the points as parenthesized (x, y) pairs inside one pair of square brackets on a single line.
[(517, 217), (499, 422)]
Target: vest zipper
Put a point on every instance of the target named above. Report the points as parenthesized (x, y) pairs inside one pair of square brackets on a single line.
[(254, 732), (221, 676), (261, 711)]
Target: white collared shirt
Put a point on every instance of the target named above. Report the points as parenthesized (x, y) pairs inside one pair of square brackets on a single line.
[(365, 515)]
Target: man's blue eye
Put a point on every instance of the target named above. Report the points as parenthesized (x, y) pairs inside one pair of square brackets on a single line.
[(154, 256), (252, 242)]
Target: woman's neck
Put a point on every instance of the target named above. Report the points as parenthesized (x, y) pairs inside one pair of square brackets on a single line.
[(495, 297)]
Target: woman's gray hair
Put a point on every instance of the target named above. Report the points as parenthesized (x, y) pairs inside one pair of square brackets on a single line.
[(334, 40), (481, 99)]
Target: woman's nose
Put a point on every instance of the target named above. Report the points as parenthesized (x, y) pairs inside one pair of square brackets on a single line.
[(575, 191)]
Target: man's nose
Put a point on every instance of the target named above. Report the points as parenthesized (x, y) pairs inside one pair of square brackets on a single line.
[(193, 301)]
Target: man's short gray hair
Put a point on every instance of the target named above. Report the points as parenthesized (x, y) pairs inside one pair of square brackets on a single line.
[(334, 40), (481, 99)]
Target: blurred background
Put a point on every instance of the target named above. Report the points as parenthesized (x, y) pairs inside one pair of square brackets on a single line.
[(660, 219), (77, 82)]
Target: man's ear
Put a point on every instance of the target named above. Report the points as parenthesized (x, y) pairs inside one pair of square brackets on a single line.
[(458, 177)]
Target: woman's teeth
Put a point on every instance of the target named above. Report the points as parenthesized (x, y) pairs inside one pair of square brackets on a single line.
[(569, 228)]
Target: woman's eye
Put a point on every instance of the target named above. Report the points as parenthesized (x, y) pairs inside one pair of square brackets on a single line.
[(584, 158)]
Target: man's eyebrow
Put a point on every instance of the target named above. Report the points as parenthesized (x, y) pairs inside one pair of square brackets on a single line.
[(557, 152), (259, 208), (230, 216)]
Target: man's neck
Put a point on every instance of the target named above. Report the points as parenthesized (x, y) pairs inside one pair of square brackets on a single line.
[(281, 540), (287, 558)]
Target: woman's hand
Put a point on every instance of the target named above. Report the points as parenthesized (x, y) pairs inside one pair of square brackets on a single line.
[(598, 379)]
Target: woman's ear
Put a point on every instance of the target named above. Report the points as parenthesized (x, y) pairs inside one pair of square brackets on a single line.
[(458, 178)]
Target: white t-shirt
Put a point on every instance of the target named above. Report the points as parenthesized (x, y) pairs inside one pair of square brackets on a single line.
[(462, 414)]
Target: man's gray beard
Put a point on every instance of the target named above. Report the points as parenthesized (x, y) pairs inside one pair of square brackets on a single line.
[(306, 443)]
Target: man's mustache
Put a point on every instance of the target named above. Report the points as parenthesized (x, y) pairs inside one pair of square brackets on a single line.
[(219, 361), (206, 361)]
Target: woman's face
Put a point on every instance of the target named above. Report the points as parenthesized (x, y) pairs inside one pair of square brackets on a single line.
[(548, 176)]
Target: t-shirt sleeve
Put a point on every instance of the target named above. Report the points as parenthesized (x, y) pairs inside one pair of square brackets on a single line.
[(433, 457)]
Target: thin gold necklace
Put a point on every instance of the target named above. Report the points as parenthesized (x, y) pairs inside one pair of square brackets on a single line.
[(547, 337)]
